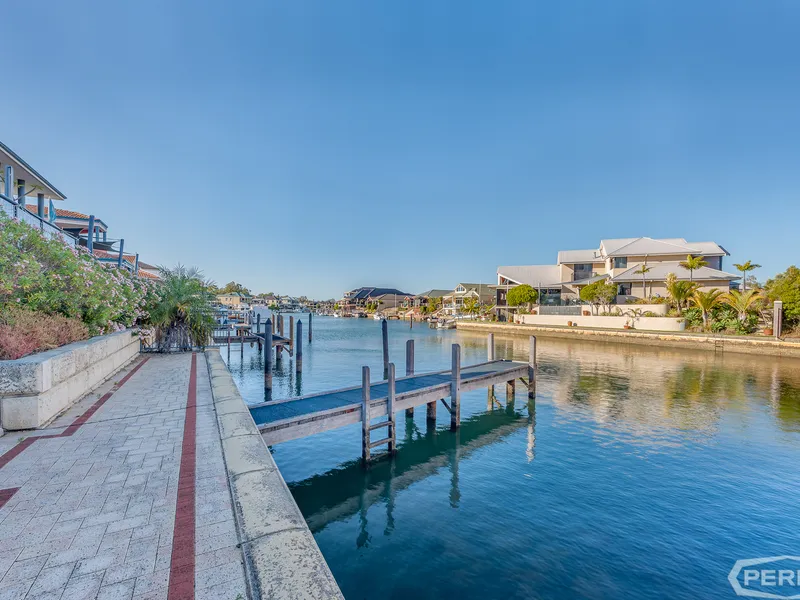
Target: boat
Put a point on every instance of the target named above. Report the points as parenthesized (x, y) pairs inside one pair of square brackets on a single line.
[(377, 317), (444, 324)]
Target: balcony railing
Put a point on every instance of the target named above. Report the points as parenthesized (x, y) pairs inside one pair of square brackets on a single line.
[(12, 209)]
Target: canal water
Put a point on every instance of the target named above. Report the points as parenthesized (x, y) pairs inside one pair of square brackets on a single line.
[(637, 473)]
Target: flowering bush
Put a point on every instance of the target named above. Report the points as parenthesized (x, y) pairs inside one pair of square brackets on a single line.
[(23, 332), (47, 276)]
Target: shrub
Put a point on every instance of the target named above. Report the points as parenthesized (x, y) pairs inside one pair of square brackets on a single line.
[(694, 317), (24, 332), (50, 277), (649, 313), (786, 287), (522, 294)]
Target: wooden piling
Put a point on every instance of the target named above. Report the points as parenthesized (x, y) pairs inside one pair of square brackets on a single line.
[(455, 389), (390, 397), (241, 345), (309, 326), (258, 323), (365, 414), (411, 322), (385, 335), (490, 347), (291, 332), (532, 368), (274, 320), (410, 371), (280, 326), (298, 355), (268, 356)]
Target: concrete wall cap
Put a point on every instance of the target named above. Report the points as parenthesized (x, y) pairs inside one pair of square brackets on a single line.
[(246, 453), (265, 504)]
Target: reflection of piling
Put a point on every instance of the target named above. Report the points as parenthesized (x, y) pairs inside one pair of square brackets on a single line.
[(490, 357), (298, 353), (410, 370), (241, 345), (455, 389), (365, 413), (385, 335), (532, 368), (268, 357), (258, 330)]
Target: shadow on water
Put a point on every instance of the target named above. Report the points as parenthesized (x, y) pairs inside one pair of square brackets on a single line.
[(351, 489)]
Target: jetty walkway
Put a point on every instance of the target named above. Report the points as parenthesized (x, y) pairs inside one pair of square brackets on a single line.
[(146, 489)]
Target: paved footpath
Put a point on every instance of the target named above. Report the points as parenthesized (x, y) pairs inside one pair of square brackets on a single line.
[(123, 496)]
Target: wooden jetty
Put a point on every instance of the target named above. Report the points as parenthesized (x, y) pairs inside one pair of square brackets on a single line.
[(293, 418)]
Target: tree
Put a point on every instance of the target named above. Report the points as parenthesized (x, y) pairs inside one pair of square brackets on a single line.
[(522, 294), (232, 287), (786, 288), (183, 315), (599, 293), (692, 263), (679, 291), (643, 270), (746, 268), (471, 305), (742, 302), (706, 301)]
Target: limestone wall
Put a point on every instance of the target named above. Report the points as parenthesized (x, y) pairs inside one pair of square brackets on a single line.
[(36, 388)]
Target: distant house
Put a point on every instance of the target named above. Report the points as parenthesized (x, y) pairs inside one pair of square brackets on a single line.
[(453, 302), (424, 299), (233, 299), (617, 261), (358, 298)]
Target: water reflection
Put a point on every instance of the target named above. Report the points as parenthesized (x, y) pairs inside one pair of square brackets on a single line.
[(350, 489)]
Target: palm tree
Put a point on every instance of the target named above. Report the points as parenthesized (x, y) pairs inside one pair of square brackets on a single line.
[(183, 316), (692, 263), (705, 301), (745, 268), (643, 270), (470, 305), (679, 291), (742, 302)]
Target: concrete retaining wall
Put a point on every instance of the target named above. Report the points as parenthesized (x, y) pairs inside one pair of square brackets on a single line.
[(282, 559), (746, 345), (605, 322), (36, 388)]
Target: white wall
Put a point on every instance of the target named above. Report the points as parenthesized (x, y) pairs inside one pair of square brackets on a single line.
[(643, 323)]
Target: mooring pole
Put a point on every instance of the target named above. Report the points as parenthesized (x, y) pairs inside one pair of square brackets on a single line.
[(490, 347), (229, 344), (268, 357), (298, 353), (509, 391), (274, 319), (241, 350), (532, 368), (280, 326), (777, 318), (258, 323), (291, 332), (390, 396), (309, 326), (385, 335), (411, 322), (365, 414), (455, 389), (410, 371)]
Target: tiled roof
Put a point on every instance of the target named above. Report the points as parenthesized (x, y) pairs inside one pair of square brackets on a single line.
[(147, 275), (434, 293), (131, 258), (60, 212)]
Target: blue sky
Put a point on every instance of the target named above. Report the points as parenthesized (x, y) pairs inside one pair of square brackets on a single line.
[(312, 147)]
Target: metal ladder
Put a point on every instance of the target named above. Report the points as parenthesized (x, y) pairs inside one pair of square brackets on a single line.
[(367, 426)]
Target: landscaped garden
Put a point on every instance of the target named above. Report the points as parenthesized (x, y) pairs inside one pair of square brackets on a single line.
[(53, 294)]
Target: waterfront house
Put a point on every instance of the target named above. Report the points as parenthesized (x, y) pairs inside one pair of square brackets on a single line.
[(357, 299), (453, 302), (233, 299), (424, 299), (26, 182), (617, 261)]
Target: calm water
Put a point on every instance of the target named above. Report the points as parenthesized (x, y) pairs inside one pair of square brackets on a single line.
[(637, 473)]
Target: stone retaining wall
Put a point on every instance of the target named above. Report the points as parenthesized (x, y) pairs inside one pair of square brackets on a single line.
[(747, 345), (281, 557), (36, 388)]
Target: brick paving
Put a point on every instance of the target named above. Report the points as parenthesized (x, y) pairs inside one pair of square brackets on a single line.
[(103, 503)]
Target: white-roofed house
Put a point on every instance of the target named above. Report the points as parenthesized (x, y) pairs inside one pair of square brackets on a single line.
[(617, 260)]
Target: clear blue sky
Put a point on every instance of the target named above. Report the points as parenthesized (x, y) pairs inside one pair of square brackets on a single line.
[(311, 147)]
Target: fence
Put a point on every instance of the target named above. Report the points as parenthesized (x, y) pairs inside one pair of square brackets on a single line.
[(572, 310)]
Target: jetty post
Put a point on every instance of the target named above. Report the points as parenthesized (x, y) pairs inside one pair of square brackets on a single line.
[(291, 332), (385, 335), (268, 358), (490, 357), (309, 326), (455, 389), (229, 344), (280, 325), (390, 397), (532, 368), (274, 320), (298, 356), (777, 318), (258, 330), (411, 322), (241, 345), (509, 391), (410, 371), (365, 413)]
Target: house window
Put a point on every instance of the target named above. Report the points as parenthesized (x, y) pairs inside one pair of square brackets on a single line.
[(624, 289), (715, 262), (621, 262), (582, 272)]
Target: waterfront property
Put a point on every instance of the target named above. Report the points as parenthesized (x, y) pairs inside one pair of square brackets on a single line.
[(234, 299), (359, 298), (621, 262), (482, 293)]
